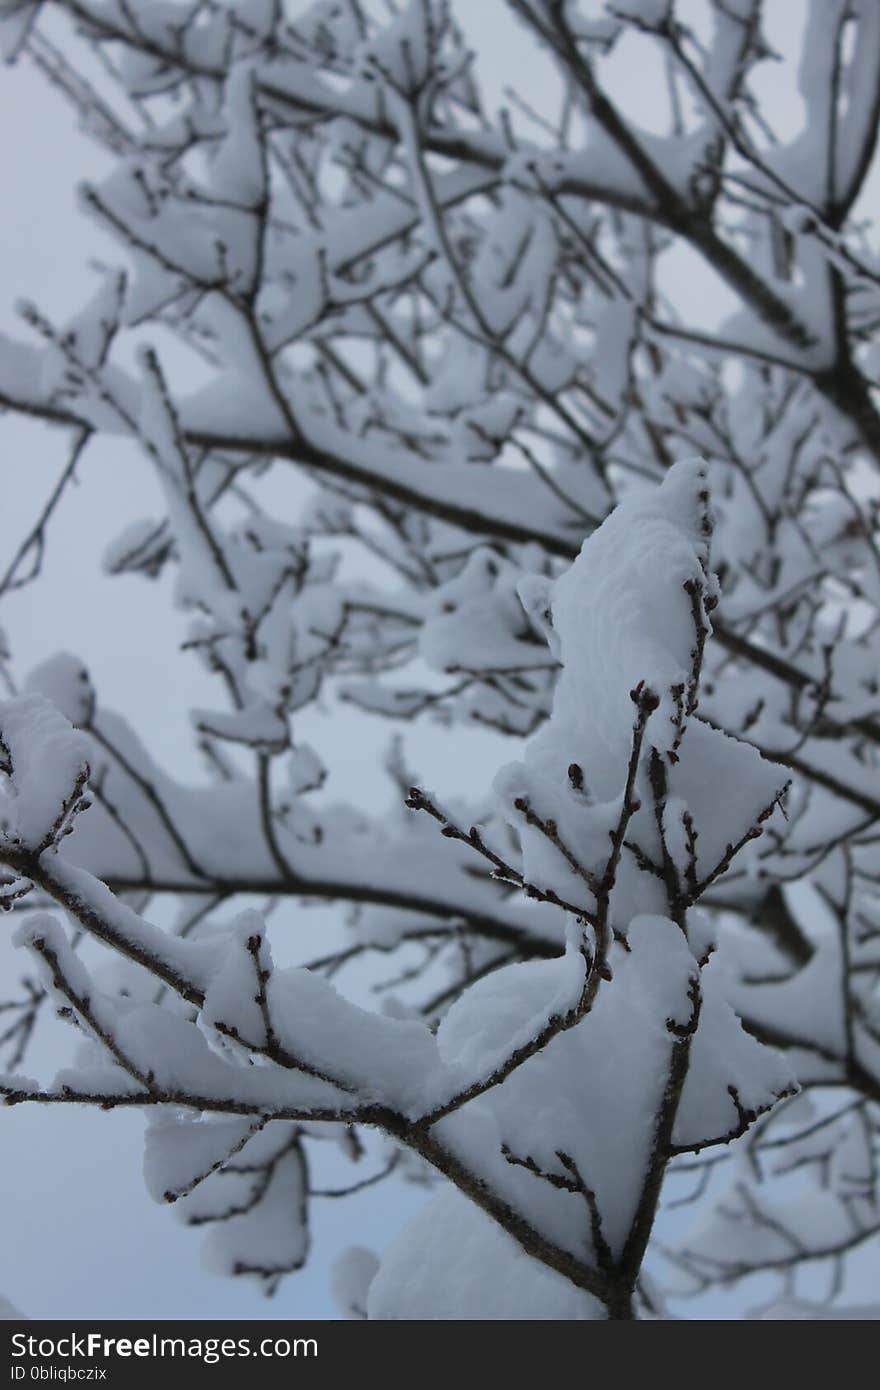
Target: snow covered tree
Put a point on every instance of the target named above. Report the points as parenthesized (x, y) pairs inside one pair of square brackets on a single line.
[(542, 499)]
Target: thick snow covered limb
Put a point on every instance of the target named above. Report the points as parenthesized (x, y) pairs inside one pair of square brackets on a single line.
[(628, 624), (44, 773)]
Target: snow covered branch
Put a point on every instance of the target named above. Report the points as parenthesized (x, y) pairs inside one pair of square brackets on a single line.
[(412, 377)]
